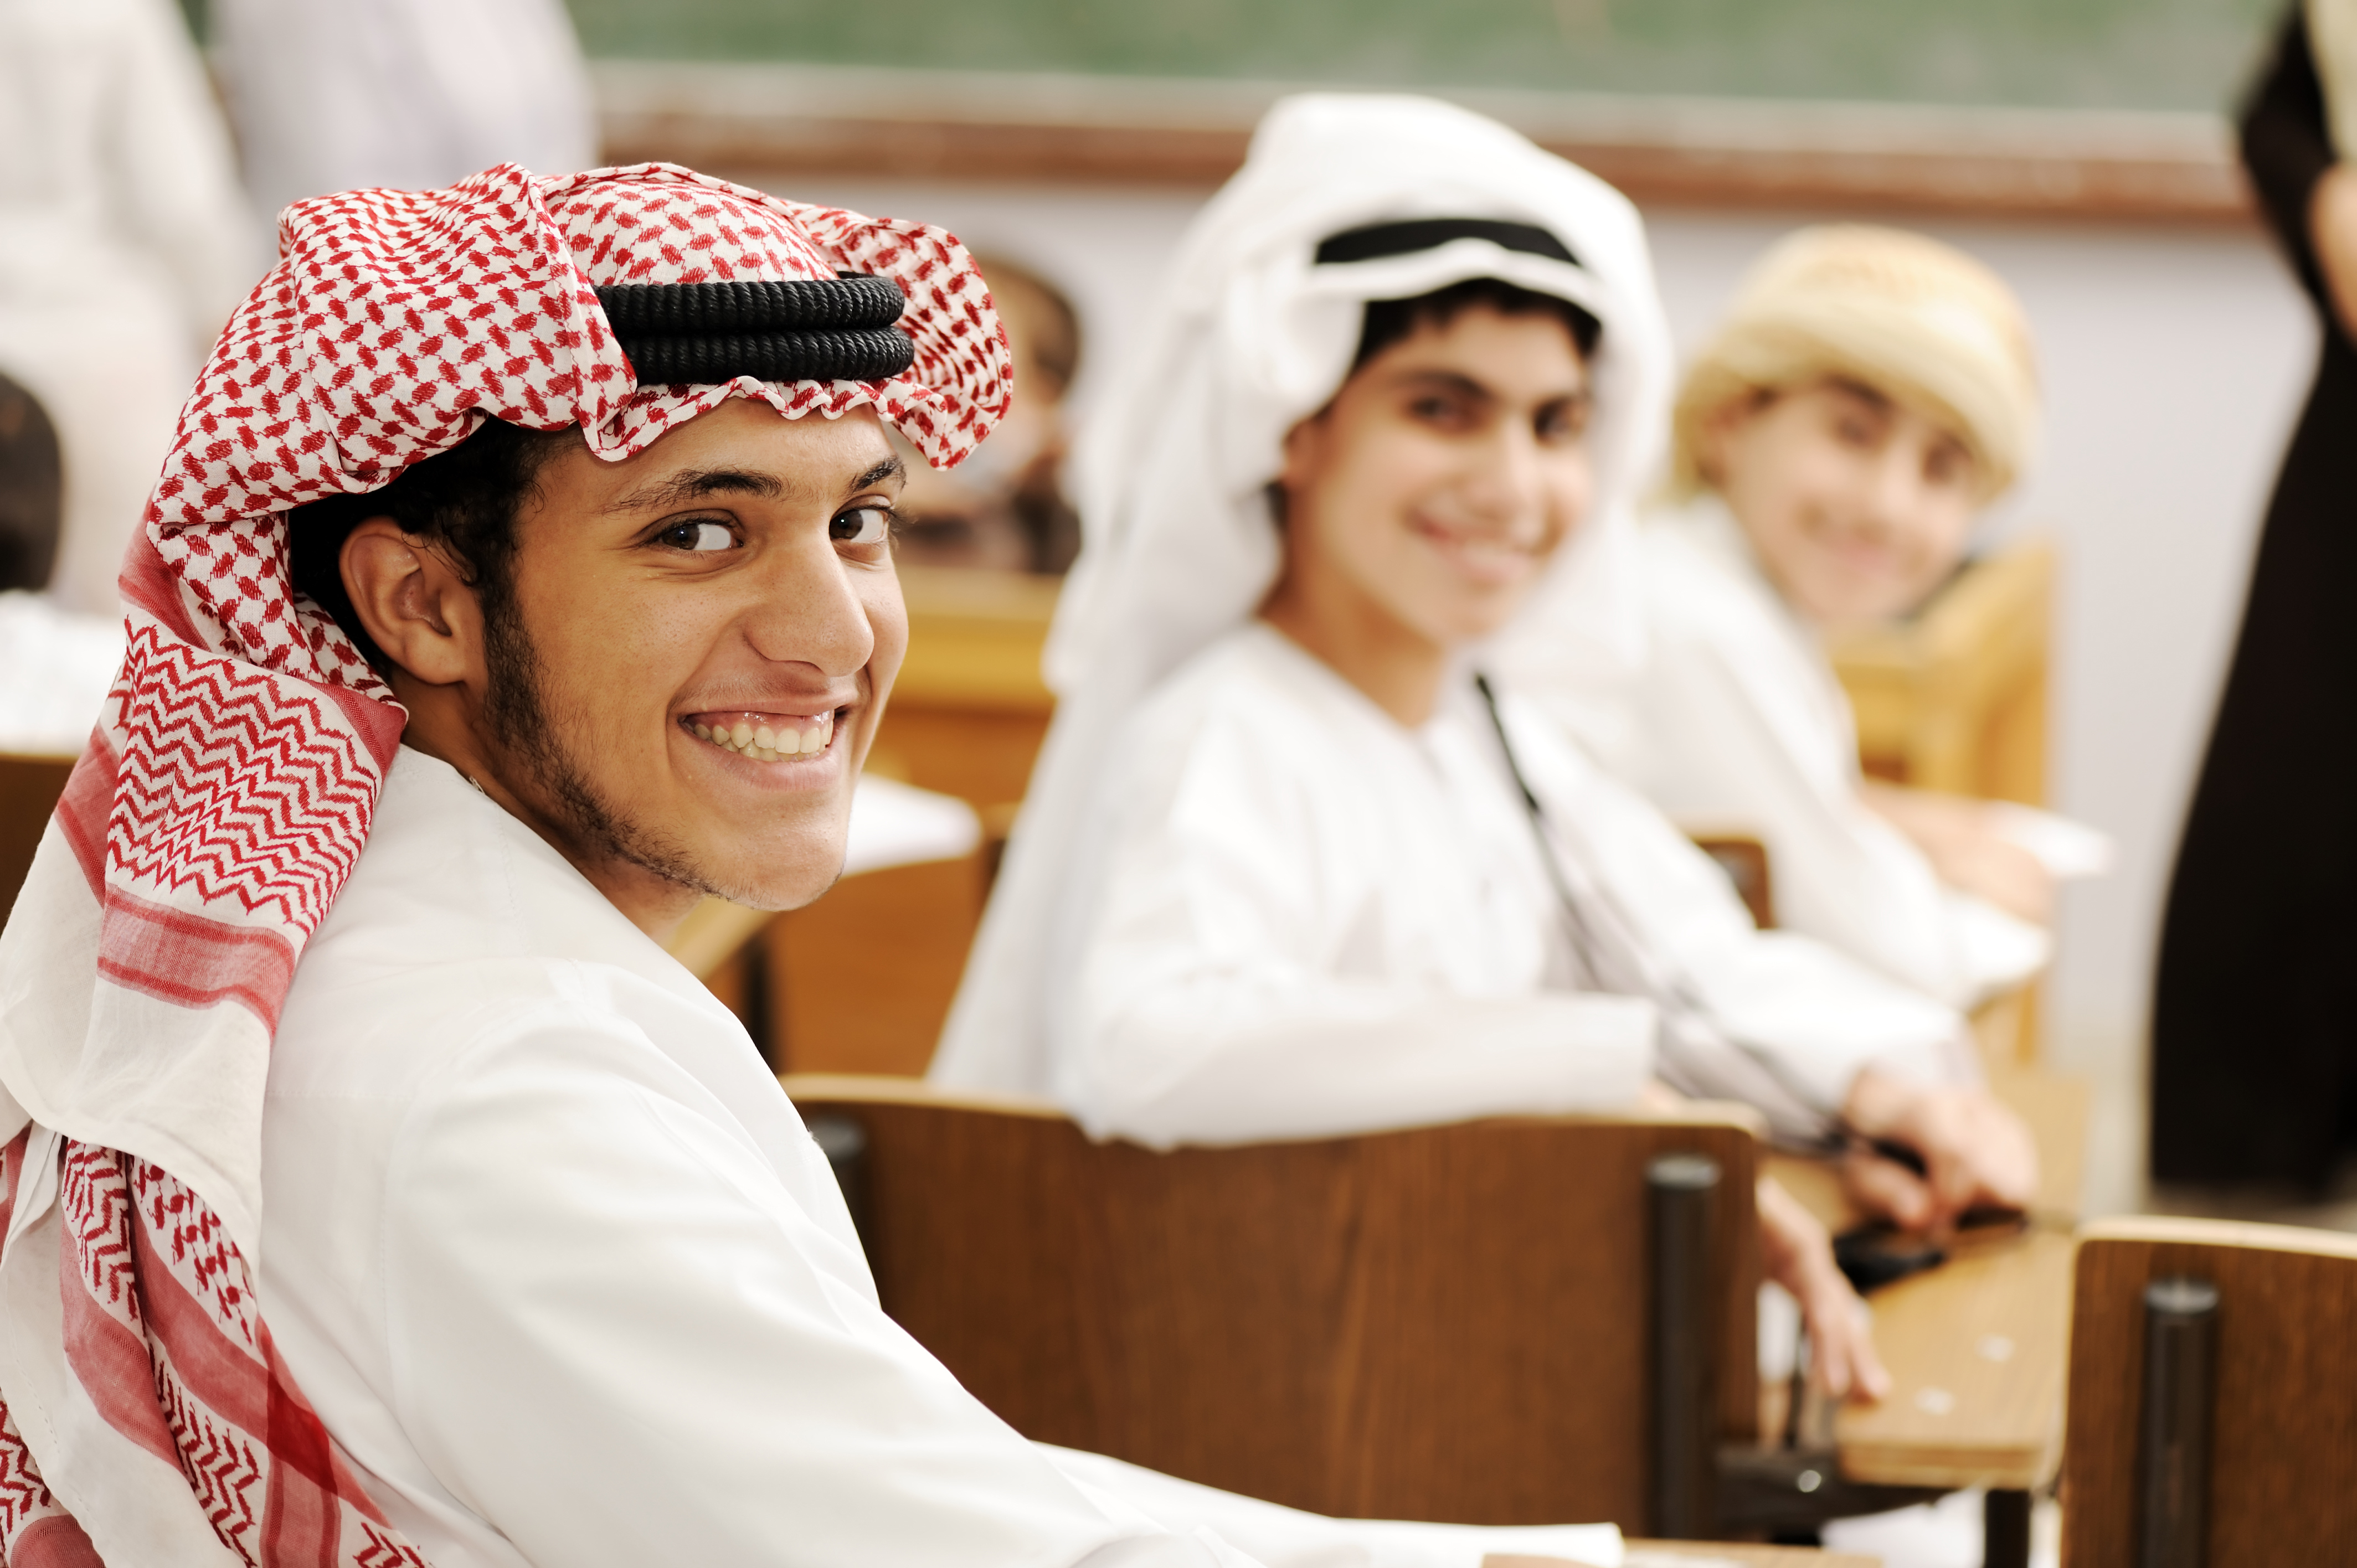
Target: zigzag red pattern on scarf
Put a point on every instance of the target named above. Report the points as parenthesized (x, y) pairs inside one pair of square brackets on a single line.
[(236, 784), (34, 1532), (146, 1266)]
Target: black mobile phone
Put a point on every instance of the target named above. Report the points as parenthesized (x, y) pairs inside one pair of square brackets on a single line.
[(1877, 1255)]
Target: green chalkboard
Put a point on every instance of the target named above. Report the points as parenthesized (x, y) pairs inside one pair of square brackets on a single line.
[(2107, 54)]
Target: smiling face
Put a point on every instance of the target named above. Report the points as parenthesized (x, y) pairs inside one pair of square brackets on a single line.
[(1857, 505), (699, 645), (1422, 504)]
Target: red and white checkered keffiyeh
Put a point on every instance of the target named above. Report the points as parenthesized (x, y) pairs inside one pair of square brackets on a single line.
[(144, 1415)]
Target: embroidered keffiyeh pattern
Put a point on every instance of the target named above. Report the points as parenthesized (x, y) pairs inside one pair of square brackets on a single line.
[(226, 795)]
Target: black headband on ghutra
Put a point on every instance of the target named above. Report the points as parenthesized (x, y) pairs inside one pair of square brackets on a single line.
[(1410, 234), (815, 330)]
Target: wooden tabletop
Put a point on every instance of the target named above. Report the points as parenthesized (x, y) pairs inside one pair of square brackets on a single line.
[(1979, 1353), (1978, 1349)]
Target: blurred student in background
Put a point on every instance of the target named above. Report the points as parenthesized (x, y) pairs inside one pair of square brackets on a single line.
[(1289, 868), (1868, 394), (334, 95), (124, 244), (1004, 507)]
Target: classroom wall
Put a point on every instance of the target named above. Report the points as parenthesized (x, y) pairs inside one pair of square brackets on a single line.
[(2174, 362)]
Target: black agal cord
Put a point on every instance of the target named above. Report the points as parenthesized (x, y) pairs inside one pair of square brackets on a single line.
[(822, 329)]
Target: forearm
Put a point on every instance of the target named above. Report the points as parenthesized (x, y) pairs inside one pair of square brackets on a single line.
[(1281, 1537), (1339, 1059)]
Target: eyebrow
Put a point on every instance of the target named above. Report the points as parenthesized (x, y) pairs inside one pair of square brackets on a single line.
[(696, 484), (1457, 381), (1875, 397), (1454, 380)]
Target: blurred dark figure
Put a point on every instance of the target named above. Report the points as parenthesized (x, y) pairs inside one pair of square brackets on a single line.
[(55, 665), (1003, 507), (32, 490), (2254, 1014)]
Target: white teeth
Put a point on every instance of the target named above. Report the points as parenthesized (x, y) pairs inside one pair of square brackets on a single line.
[(769, 742)]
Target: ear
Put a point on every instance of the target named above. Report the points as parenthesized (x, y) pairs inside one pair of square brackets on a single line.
[(412, 603), (1305, 453)]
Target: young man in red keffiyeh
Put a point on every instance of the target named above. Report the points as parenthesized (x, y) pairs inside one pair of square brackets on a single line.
[(375, 1190)]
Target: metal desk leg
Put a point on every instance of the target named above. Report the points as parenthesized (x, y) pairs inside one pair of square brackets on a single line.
[(2180, 1357), (2005, 1523), (1680, 1190)]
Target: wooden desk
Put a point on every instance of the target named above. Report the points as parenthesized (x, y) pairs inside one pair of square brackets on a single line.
[(969, 709), (1955, 697), (1978, 1352), (859, 981), (1979, 1349)]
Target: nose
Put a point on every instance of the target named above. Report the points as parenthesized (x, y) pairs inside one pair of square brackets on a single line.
[(805, 610), (1893, 487), (1506, 485)]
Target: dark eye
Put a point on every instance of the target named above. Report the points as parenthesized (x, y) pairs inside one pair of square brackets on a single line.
[(1559, 423), (1948, 465), (701, 535), (863, 525)]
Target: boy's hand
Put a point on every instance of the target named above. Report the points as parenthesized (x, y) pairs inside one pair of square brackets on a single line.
[(1800, 1257), (1975, 1152)]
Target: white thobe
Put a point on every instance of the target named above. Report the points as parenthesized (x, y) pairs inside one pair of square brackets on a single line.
[(554, 1260), (1738, 719), (1292, 916), (124, 244)]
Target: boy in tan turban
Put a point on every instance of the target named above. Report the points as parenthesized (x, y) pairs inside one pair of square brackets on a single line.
[(1869, 393)]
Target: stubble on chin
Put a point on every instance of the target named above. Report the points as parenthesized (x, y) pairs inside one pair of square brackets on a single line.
[(528, 726), (525, 724)]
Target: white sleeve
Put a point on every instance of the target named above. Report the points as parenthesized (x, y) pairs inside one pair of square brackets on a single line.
[(1288, 1538), (619, 1340), (1839, 873), (1814, 1016), (1199, 1011)]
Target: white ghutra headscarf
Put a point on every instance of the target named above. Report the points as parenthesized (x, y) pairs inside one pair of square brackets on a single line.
[(1251, 334)]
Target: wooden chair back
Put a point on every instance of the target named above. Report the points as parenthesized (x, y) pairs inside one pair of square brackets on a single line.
[(969, 708), (1448, 1323), (2282, 1394), (29, 788), (860, 981), (1954, 697)]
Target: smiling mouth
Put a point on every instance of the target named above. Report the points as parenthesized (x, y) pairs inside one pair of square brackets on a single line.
[(764, 737)]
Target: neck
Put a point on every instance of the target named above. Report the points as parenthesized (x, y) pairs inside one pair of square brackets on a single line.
[(442, 726), (1396, 668)]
